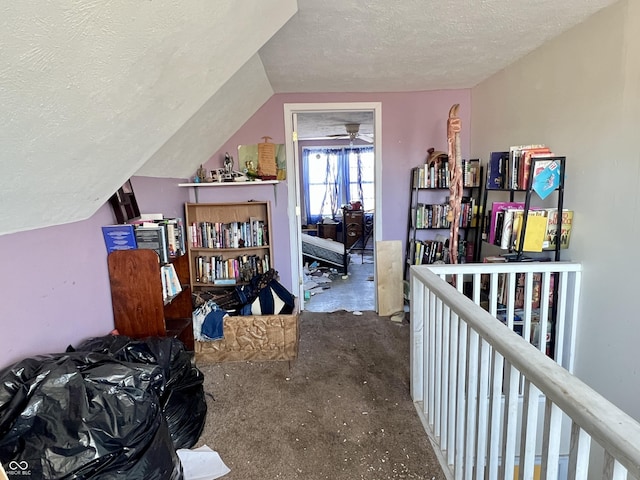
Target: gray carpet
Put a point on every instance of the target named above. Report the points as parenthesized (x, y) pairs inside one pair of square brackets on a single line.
[(341, 411)]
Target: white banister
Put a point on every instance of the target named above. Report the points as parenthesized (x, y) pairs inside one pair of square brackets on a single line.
[(491, 401)]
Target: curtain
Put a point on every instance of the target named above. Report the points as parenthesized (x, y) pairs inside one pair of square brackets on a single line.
[(334, 181)]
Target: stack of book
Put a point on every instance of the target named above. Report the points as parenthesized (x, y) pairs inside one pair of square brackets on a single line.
[(505, 227), (217, 270), (153, 231), (228, 235), (511, 169), (170, 282)]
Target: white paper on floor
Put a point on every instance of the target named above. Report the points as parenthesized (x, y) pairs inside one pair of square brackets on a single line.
[(201, 463), (323, 279), (309, 285)]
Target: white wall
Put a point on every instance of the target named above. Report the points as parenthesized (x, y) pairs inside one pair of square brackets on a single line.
[(580, 94)]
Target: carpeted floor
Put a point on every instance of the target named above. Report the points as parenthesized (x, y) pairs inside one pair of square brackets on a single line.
[(341, 411)]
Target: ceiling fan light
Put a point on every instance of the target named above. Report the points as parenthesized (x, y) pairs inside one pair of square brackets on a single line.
[(352, 130)]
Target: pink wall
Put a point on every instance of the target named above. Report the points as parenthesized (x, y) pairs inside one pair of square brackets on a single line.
[(55, 288), (54, 281), (412, 122)]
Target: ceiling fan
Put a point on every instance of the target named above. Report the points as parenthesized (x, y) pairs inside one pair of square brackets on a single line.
[(353, 132)]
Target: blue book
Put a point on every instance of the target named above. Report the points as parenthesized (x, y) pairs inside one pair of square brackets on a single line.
[(119, 237), (496, 171), (547, 180)]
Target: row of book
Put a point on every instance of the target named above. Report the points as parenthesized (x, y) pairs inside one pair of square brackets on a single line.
[(252, 233), (518, 320), (435, 215), (153, 231), (437, 173), (217, 270), (507, 221), (425, 252), (513, 169), (170, 283)]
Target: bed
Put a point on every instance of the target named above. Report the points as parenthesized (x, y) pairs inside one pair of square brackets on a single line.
[(325, 250)]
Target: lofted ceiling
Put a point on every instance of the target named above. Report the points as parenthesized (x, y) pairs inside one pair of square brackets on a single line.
[(95, 92)]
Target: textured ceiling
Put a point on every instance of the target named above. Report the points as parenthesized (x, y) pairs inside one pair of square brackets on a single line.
[(95, 92), (387, 46), (413, 45)]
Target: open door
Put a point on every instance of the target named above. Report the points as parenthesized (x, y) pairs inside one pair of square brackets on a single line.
[(291, 112)]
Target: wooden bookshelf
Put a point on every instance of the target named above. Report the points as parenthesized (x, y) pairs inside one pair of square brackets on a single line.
[(139, 309), (250, 222)]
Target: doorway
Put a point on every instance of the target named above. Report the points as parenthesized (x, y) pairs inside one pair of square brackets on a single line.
[(293, 112)]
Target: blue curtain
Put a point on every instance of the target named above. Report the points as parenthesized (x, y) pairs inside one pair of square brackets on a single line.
[(305, 185)]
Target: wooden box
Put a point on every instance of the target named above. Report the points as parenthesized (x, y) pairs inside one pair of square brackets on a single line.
[(253, 337)]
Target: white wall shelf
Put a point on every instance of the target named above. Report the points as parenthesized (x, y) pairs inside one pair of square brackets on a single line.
[(253, 183)]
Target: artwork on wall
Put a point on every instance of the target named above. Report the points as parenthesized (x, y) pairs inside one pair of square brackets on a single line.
[(249, 160)]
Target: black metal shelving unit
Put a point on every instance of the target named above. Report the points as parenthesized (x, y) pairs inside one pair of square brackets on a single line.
[(412, 231), (518, 252)]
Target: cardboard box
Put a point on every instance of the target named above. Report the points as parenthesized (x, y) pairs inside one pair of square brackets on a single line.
[(253, 337)]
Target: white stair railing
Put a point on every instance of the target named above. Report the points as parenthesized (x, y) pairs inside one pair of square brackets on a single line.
[(494, 405)]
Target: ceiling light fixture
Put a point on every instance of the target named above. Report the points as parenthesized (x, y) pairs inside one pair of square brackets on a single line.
[(352, 130)]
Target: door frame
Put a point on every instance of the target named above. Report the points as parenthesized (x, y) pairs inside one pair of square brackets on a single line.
[(293, 185)]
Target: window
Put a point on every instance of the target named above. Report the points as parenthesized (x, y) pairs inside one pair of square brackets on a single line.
[(335, 177)]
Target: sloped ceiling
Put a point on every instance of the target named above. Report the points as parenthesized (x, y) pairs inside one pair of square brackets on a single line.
[(94, 92), (92, 89)]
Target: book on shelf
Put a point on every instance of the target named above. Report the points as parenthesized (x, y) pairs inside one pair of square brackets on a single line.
[(471, 172), (547, 180), (174, 232), (119, 237), (217, 270), (508, 216), (496, 208), (170, 283), (424, 252), (252, 233), (175, 236), (153, 236), (469, 251), (541, 163), (535, 231), (528, 154), (517, 159), (549, 242), (496, 170), (511, 170), (496, 231)]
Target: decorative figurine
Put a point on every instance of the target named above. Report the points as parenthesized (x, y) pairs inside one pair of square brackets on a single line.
[(455, 185), (228, 163), (201, 174)]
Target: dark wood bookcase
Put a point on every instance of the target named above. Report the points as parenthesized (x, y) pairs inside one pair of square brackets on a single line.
[(139, 309)]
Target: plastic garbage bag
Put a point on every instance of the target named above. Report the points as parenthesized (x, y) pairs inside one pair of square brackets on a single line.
[(84, 415), (182, 393)]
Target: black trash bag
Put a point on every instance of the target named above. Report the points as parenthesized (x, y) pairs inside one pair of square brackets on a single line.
[(84, 416), (182, 393)]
